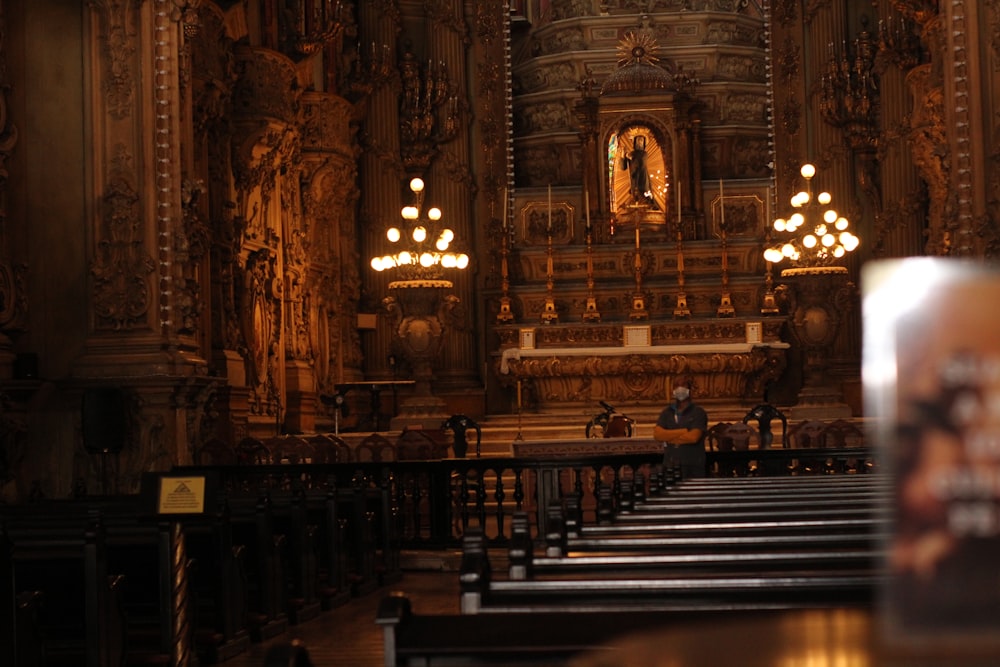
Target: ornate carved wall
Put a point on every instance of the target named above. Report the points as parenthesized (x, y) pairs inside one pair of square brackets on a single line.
[(187, 211)]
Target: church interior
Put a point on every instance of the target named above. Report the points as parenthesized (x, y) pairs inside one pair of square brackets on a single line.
[(225, 221)]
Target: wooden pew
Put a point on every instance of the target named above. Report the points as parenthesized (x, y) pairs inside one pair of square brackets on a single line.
[(671, 584), (702, 543), (518, 638), (733, 514), (61, 565), (218, 587), (252, 521)]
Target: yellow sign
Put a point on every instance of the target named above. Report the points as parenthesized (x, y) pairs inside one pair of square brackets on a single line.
[(181, 495)]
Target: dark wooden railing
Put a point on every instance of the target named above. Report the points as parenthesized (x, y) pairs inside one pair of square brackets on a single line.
[(432, 502)]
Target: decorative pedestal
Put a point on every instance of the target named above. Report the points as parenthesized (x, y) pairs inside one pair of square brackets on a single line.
[(421, 310), (818, 297)]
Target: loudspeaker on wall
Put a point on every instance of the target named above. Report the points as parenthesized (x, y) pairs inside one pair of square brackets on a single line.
[(105, 420)]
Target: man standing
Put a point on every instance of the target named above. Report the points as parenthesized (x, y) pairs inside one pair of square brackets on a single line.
[(681, 427)]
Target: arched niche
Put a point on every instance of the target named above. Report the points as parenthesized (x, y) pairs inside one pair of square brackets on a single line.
[(639, 173), (669, 130)]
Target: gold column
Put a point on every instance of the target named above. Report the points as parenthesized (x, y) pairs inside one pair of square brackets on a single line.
[(894, 235), (451, 184), (383, 182)]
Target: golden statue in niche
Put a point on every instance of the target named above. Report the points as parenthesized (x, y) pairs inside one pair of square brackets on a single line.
[(638, 174)]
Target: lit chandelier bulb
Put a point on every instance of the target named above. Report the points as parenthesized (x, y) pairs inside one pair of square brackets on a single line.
[(434, 213), (773, 255), (419, 234), (463, 261), (393, 234)]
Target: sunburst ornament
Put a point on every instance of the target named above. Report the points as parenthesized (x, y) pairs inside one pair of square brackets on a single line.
[(638, 48)]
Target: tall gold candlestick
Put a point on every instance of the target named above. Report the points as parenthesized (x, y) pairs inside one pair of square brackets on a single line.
[(638, 311), (590, 312), (725, 308), (681, 310), (549, 228), (549, 312)]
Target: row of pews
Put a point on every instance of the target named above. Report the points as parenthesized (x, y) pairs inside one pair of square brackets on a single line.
[(102, 581), (660, 553)]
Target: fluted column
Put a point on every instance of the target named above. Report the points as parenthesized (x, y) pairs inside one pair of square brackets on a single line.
[(382, 177), (451, 179), (896, 234)]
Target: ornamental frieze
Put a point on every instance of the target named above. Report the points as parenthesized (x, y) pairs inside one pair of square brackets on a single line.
[(563, 378), (742, 68), (121, 266), (118, 48)]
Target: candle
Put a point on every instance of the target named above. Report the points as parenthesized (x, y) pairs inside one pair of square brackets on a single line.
[(518, 394), (678, 205), (549, 228), (586, 206)]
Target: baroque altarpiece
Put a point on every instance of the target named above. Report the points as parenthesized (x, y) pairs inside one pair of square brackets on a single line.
[(191, 192)]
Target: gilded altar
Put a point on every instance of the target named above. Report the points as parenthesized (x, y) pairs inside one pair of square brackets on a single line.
[(731, 360)]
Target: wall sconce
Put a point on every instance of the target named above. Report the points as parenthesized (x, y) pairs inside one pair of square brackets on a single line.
[(824, 238)]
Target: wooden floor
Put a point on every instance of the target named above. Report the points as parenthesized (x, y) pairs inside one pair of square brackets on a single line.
[(347, 636)]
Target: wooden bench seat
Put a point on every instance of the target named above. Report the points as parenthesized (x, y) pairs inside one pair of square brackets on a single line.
[(737, 590), (531, 639), (790, 558), (649, 541)]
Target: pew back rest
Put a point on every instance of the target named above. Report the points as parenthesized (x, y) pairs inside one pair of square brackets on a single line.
[(290, 449), (375, 448), (330, 449), (419, 445), (715, 437), (810, 434), (251, 451), (738, 436)]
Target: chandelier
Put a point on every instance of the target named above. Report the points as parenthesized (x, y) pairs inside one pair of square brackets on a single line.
[(421, 243), (824, 237)]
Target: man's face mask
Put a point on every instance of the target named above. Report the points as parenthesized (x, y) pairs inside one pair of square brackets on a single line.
[(682, 393)]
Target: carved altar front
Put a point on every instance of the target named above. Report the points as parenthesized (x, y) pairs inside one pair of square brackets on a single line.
[(730, 360)]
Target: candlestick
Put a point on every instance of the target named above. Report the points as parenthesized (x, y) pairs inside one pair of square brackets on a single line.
[(503, 203), (722, 205), (549, 228), (586, 206), (518, 394), (679, 209)]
